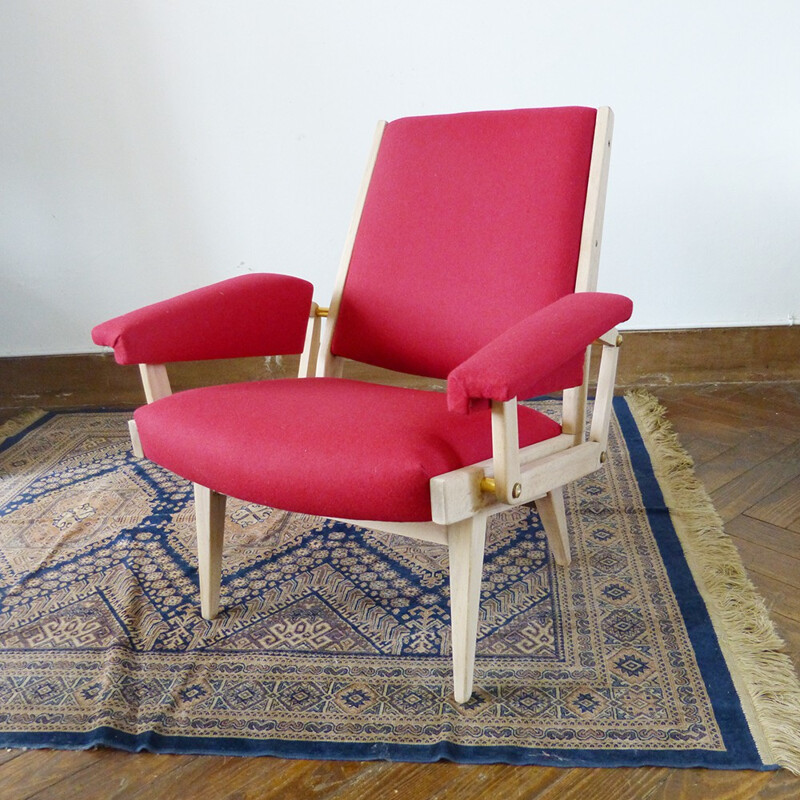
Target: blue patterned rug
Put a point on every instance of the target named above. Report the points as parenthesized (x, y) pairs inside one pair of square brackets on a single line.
[(334, 641)]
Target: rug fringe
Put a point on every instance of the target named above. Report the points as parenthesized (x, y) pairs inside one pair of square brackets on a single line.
[(739, 613), (16, 424)]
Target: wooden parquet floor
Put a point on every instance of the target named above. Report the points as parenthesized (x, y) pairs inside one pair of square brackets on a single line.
[(745, 440)]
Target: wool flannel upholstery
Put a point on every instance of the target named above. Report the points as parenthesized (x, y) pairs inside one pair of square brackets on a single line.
[(363, 451), (522, 360), (471, 223), (259, 314)]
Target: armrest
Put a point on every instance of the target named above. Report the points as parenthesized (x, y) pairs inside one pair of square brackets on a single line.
[(518, 361), (251, 315)]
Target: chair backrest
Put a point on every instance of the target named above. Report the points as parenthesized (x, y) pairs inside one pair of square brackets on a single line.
[(470, 222)]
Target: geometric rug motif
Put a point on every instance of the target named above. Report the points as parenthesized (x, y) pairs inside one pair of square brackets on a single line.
[(334, 641)]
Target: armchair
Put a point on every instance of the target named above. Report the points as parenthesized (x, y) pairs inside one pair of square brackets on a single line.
[(472, 256)]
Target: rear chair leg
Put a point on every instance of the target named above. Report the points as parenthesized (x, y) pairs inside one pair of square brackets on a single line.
[(554, 520), (210, 515), (465, 544)]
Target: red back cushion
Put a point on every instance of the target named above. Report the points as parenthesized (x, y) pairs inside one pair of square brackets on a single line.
[(471, 222)]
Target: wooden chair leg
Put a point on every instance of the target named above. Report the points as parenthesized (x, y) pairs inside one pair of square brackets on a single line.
[(210, 515), (554, 520), (466, 541)]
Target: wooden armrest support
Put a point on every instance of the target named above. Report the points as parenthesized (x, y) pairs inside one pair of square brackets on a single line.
[(604, 394), (155, 381), (505, 451), (514, 482)]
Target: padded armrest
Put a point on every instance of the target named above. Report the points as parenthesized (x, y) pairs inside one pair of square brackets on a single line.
[(251, 315), (519, 360)]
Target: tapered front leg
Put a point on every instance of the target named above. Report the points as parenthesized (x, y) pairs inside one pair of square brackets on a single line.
[(466, 541), (210, 514), (554, 520)]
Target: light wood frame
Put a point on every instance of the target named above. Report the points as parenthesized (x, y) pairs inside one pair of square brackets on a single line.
[(462, 500)]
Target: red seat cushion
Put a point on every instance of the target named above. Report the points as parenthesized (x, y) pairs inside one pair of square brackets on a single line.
[(324, 446)]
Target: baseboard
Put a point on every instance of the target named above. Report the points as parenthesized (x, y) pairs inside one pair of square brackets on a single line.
[(710, 355), (648, 358)]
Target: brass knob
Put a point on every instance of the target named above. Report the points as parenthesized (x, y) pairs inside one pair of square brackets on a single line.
[(488, 485)]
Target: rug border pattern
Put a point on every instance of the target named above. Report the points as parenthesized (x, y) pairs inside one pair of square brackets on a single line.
[(763, 675)]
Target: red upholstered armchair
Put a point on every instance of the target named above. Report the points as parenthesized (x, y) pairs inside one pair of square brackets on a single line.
[(472, 256)]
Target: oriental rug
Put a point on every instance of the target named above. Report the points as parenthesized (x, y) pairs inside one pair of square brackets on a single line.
[(651, 648)]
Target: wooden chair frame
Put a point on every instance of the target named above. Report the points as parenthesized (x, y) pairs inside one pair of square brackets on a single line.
[(464, 499)]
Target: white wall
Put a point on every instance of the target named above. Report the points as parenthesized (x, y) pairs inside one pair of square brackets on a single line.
[(152, 146)]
